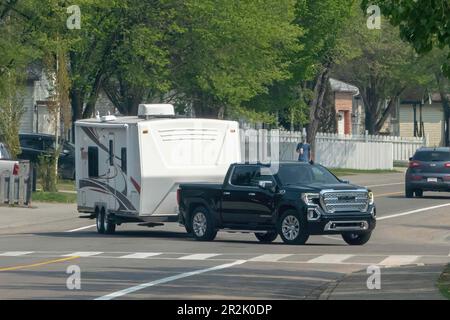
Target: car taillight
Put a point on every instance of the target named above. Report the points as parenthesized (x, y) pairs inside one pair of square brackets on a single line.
[(16, 169), (447, 165), (414, 177), (414, 164), (178, 196)]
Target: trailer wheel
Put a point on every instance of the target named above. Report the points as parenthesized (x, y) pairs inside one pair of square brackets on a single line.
[(99, 221), (108, 225), (202, 225)]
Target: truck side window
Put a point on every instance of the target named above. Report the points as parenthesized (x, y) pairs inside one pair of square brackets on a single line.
[(244, 176), (111, 152), (93, 162), (123, 156)]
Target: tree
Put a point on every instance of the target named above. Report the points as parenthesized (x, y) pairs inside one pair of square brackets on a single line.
[(11, 111), (230, 51), (382, 67), (425, 24)]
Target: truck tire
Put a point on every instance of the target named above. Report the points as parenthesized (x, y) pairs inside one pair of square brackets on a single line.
[(202, 223), (108, 225), (266, 237), (99, 221), (418, 193), (292, 227), (356, 239)]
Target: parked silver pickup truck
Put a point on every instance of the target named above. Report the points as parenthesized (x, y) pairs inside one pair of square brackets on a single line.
[(7, 166)]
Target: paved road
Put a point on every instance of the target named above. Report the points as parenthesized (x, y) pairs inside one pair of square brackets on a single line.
[(38, 245)]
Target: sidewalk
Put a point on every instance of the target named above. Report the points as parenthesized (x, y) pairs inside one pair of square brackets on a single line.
[(397, 283)]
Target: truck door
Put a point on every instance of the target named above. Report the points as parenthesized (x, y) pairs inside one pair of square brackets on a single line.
[(243, 202), (112, 172)]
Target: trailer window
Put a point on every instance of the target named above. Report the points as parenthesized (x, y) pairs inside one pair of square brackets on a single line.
[(93, 161), (123, 156), (111, 153)]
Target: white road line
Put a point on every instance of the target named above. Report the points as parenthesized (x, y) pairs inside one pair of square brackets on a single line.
[(199, 256), (15, 253), (168, 279), (140, 255), (331, 258), (413, 211), (82, 228), (385, 185), (270, 257), (398, 260), (82, 254)]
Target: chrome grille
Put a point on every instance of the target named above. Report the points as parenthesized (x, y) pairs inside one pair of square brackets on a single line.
[(344, 201)]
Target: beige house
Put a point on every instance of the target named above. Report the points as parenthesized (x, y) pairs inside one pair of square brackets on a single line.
[(421, 114)]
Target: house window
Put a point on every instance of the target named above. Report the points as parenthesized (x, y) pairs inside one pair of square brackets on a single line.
[(123, 156), (92, 162)]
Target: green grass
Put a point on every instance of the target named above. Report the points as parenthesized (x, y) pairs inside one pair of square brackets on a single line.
[(444, 282), (63, 185), (349, 172), (56, 197)]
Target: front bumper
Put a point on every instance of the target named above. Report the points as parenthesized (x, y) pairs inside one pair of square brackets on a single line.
[(320, 223)]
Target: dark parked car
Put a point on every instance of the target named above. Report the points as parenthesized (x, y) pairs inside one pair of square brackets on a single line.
[(33, 145), (295, 201), (429, 170)]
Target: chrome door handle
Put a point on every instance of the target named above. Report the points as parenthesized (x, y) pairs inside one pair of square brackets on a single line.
[(252, 194), (226, 193)]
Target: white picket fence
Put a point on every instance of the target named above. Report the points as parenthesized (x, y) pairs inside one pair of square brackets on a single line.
[(363, 152)]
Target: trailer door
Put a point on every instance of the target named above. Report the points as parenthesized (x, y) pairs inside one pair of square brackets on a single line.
[(112, 172)]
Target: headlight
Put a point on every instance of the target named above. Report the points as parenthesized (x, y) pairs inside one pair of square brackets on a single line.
[(371, 197), (309, 198)]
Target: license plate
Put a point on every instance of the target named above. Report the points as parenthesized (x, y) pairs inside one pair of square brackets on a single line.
[(432, 180)]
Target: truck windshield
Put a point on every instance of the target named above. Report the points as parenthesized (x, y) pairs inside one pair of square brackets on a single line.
[(305, 174)]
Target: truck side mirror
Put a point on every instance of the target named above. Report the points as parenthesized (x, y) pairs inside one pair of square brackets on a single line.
[(266, 185), (345, 181)]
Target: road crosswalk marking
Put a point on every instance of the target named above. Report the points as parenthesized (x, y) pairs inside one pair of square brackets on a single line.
[(308, 258), (140, 255), (331, 258), (270, 257), (199, 256), (15, 253), (396, 260), (83, 254)]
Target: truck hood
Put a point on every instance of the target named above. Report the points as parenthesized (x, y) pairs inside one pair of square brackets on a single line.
[(317, 187)]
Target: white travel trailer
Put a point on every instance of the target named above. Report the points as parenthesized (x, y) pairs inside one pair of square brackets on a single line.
[(128, 168)]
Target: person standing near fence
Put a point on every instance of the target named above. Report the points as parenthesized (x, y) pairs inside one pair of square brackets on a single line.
[(304, 151)]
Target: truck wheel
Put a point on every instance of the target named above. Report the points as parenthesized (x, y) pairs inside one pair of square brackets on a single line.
[(202, 225), (99, 222), (108, 225), (419, 193), (409, 193), (292, 228), (266, 237), (356, 239)]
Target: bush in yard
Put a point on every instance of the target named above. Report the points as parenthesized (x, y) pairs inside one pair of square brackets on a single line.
[(46, 173)]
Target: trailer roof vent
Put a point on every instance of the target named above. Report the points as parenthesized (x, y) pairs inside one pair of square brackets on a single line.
[(155, 110)]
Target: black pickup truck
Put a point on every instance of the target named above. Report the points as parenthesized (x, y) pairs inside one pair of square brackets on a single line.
[(290, 199)]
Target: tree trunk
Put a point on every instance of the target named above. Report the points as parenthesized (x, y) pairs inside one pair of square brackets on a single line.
[(314, 107), (445, 106)]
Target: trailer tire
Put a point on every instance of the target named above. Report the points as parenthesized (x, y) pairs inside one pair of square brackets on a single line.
[(202, 224), (99, 221), (108, 225)]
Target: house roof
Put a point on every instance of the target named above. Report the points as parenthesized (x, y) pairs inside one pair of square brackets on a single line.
[(340, 86), (418, 94)]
